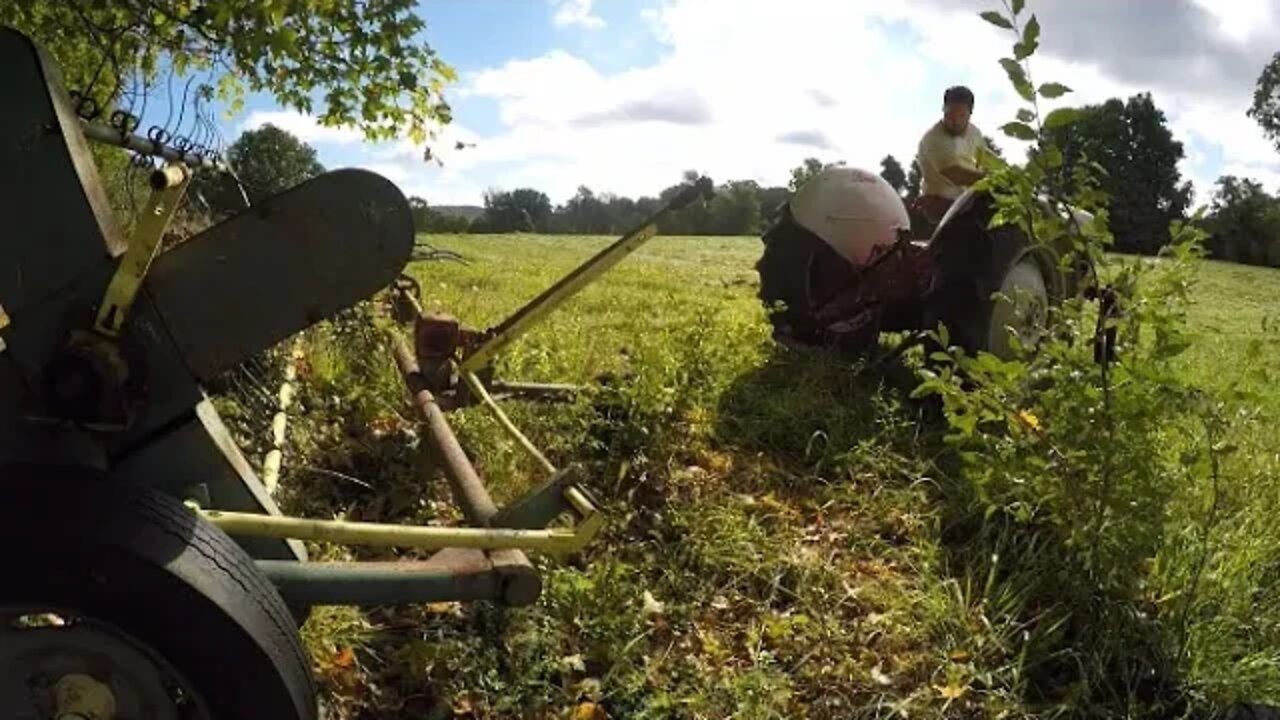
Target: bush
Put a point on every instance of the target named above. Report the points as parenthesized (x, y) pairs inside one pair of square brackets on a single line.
[(1093, 487)]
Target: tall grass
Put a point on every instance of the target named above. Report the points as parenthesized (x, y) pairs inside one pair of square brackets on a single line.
[(789, 534)]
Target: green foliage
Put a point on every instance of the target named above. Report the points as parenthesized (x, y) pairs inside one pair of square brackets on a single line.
[(1244, 223), (913, 180), (520, 210), (810, 167), (267, 161), (993, 147), (351, 64), (428, 219), (738, 207), (1265, 109), (891, 170), (1135, 150), (735, 209), (815, 546), (1085, 481)]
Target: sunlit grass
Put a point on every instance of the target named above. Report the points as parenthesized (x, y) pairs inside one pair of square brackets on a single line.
[(781, 510)]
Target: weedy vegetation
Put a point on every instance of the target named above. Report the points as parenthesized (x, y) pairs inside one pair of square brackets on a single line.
[(794, 535)]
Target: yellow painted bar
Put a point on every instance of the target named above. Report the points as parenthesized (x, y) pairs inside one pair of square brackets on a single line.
[(168, 185), (410, 536), (586, 273), (478, 388)]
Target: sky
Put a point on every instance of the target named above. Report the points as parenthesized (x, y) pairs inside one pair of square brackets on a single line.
[(624, 95)]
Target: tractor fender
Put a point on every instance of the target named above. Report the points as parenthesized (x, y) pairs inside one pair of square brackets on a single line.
[(852, 210), (958, 206)]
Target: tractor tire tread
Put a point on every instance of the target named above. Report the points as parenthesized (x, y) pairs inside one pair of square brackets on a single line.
[(155, 529), (215, 546)]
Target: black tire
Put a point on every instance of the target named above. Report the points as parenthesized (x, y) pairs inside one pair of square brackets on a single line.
[(798, 272), (971, 264), (142, 562)]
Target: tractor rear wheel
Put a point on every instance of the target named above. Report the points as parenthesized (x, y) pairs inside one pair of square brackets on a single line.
[(798, 274), (124, 595), (986, 287)]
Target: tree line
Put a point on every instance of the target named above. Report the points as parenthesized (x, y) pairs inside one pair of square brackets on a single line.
[(1129, 139)]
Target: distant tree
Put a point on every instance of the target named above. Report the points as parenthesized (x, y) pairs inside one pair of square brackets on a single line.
[(429, 220), (771, 200), (1265, 109), (806, 170), (992, 146), (891, 170), (268, 161), (692, 220), (1132, 143), (735, 210), (1244, 223), (913, 182), (584, 213), (522, 210)]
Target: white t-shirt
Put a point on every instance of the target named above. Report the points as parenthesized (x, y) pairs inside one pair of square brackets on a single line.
[(940, 149)]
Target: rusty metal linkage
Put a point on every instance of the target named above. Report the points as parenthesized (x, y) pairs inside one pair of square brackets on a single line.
[(144, 146)]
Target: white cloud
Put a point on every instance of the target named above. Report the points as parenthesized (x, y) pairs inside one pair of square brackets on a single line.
[(779, 81), (749, 88), (304, 127), (1239, 19), (576, 12)]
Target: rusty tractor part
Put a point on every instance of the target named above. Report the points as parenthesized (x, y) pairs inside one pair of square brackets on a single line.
[(449, 352)]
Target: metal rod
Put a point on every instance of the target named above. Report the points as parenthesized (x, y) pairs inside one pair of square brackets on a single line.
[(468, 489), (553, 297), (390, 535), (471, 576), (538, 390), (568, 286), (143, 146), (477, 387)]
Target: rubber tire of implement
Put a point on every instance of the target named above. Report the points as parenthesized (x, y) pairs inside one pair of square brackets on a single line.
[(142, 561), (968, 272), (790, 254)]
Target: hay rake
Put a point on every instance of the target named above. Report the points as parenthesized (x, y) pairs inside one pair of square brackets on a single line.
[(151, 573)]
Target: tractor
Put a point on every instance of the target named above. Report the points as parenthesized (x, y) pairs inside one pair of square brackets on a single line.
[(840, 267)]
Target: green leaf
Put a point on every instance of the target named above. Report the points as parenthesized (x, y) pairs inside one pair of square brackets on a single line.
[(1053, 90), (1030, 40), (997, 19), (1052, 157), (1017, 6), (1031, 33), (1018, 77), (1026, 115), (1021, 131), (1062, 117)]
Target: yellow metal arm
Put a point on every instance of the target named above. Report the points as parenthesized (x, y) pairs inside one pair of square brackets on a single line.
[(410, 536), (167, 187)]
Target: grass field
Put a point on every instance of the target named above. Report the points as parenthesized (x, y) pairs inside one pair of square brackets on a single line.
[(777, 544)]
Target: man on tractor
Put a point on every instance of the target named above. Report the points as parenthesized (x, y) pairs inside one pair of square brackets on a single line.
[(948, 155)]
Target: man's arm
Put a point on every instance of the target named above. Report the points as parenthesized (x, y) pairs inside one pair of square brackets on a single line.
[(961, 175)]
